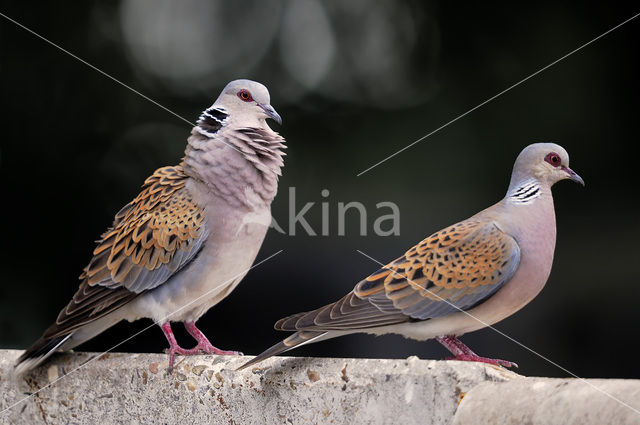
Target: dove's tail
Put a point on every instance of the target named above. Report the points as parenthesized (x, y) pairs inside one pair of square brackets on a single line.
[(51, 341), (39, 352), (298, 338)]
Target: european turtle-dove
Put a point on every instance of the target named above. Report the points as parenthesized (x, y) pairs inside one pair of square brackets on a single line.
[(188, 238), (460, 279)]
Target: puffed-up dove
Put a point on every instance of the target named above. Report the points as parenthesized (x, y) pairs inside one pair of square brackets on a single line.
[(461, 279), (188, 238)]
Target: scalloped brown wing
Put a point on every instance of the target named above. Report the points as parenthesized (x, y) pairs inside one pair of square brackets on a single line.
[(152, 237), (451, 270)]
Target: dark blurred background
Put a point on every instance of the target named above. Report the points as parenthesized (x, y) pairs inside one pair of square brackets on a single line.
[(354, 82)]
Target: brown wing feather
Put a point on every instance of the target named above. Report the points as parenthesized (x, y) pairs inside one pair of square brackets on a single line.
[(451, 270), (152, 237), (88, 304), (350, 312)]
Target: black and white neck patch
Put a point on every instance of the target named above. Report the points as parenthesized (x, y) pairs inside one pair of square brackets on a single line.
[(525, 193), (211, 121)]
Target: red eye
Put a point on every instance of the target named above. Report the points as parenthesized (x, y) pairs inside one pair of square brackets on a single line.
[(553, 159), (245, 95)]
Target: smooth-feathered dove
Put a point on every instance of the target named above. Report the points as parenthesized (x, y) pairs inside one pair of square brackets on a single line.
[(465, 277), (188, 238)]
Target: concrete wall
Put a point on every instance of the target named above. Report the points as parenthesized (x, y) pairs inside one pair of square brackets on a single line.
[(135, 388)]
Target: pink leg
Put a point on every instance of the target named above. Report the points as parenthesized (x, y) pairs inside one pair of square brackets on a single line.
[(173, 344), (463, 353), (204, 346)]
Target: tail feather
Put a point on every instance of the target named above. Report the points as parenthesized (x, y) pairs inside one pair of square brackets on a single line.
[(39, 352), (298, 338), (288, 323)]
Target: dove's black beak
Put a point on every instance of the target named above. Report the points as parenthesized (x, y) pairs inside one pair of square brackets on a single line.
[(271, 113), (573, 175)]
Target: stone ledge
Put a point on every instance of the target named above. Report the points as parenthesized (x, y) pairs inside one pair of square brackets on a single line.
[(135, 388), (552, 401)]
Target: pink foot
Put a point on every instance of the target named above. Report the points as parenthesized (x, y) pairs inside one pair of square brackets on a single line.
[(203, 346), (463, 353), (174, 348), (474, 358)]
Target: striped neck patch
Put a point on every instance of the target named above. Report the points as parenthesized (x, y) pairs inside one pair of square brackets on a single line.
[(525, 193), (211, 121)]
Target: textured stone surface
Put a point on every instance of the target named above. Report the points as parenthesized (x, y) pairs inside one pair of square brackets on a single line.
[(552, 401), (135, 388)]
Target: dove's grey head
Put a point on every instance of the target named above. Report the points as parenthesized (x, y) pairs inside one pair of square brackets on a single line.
[(548, 163), (247, 102), (233, 151)]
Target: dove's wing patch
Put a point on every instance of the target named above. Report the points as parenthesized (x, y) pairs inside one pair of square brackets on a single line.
[(454, 269), (152, 237)]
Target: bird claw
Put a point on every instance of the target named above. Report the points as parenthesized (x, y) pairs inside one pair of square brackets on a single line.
[(210, 349), (508, 364), (198, 349), (203, 345), (474, 358)]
